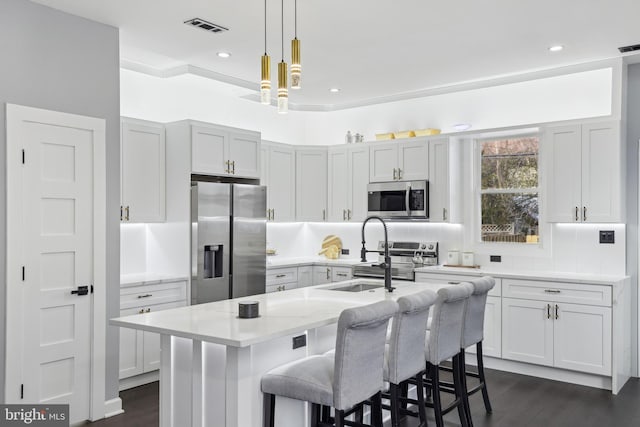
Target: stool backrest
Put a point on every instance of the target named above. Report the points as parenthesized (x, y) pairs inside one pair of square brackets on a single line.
[(406, 343), (474, 314), (359, 358), (446, 324)]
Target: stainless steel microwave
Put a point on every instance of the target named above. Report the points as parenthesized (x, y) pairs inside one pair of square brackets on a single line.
[(399, 199)]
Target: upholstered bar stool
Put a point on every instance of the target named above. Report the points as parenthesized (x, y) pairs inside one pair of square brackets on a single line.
[(354, 375), (473, 334), (443, 343), (405, 353)]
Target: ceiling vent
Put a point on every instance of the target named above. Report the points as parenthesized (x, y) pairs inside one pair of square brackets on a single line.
[(625, 49), (206, 25)]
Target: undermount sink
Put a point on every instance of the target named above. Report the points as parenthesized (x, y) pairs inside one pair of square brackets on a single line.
[(357, 287)]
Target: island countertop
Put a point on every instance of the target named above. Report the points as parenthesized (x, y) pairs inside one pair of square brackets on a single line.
[(281, 313)]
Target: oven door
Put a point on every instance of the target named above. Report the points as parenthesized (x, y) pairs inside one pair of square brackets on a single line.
[(400, 199)]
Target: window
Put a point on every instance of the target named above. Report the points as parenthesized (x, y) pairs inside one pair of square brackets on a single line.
[(509, 190)]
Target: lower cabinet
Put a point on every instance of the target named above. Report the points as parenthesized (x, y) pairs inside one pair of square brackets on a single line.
[(281, 279), (305, 276), (285, 278), (492, 342), (326, 274)]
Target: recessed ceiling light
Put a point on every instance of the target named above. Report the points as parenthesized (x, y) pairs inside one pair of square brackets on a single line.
[(334, 90), (224, 54), (556, 48), (462, 127)]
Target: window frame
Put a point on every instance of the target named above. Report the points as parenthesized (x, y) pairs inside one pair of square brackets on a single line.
[(544, 231)]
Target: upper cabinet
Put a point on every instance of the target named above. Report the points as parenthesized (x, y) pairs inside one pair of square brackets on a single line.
[(311, 184), (278, 174), (348, 176), (584, 173), (222, 151), (142, 169), (444, 180), (399, 161)]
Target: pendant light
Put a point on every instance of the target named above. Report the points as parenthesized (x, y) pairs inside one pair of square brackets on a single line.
[(283, 92), (265, 69), (296, 68)]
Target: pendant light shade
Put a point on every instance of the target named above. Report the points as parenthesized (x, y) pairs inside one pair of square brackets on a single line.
[(296, 68), (265, 80), (283, 92), (265, 67)]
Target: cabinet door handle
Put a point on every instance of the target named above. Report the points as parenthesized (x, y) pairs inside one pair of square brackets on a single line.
[(584, 213), (145, 296), (444, 214), (552, 291), (399, 173), (273, 214), (394, 174), (577, 218), (557, 317), (126, 213), (148, 310), (328, 273), (141, 311), (233, 167), (120, 212), (548, 311), (324, 214), (348, 214), (344, 214), (227, 169)]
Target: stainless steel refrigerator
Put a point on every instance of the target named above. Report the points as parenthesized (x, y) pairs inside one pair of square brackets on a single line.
[(228, 241)]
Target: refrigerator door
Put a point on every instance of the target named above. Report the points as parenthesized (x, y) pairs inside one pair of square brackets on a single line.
[(249, 240), (210, 241)]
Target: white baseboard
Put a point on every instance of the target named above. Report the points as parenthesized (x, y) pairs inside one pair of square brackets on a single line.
[(113, 407), (138, 380)]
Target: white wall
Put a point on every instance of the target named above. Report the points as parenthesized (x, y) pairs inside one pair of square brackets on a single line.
[(61, 62)]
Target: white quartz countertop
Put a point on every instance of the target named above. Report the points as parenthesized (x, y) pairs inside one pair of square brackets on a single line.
[(529, 275), (138, 279), (275, 261), (281, 313)]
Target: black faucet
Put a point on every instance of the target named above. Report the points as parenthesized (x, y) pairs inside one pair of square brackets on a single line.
[(387, 260)]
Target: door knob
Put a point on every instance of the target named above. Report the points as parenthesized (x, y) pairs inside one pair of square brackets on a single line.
[(82, 290)]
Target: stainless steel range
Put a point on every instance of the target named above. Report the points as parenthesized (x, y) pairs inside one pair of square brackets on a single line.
[(405, 256)]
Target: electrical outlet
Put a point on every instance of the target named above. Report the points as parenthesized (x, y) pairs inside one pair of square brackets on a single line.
[(299, 341), (345, 251), (607, 236), (495, 258)]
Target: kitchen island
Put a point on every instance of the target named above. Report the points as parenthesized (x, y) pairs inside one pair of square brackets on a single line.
[(212, 361)]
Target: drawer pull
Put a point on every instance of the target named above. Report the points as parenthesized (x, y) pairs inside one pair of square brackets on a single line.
[(145, 296), (548, 311), (453, 283), (557, 317), (341, 274), (280, 276), (141, 311), (552, 291)]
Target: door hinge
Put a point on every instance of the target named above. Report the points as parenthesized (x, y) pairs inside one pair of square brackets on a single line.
[(23, 273), (21, 391), (23, 156)]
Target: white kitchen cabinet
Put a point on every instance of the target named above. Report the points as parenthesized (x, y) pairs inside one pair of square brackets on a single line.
[(339, 274), (142, 171), (584, 173), (527, 331), (140, 351), (305, 276), (399, 161), (321, 275), (281, 279), (492, 339), (444, 180), (348, 177), (278, 173), (311, 184), (223, 151)]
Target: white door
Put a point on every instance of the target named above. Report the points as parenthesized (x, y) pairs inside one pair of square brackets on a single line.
[(311, 185), (582, 338), (527, 331), (413, 160), (338, 176), (56, 240), (560, 151), (208, 151), (244, 154), (58, 235), (439, 180), (282, 183), (142, 172), (358, 167), (383, 162), (601, 173)]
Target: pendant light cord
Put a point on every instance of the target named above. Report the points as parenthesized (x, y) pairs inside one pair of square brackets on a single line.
[(265, 27), (295, 18), (282, 27)]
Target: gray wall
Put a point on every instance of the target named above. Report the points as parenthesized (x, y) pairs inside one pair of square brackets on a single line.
[(633, 135), (61, 62)]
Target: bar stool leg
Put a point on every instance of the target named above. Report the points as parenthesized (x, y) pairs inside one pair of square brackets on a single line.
[(420, 394), (435, 387), (376, 410), (339, 418), (315, 414), (485, 393), (394, 391), (465, 390), (359, 415), (459, 392), (268, 409)]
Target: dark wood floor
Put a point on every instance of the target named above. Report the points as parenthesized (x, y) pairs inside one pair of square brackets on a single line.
[(518, 401)]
